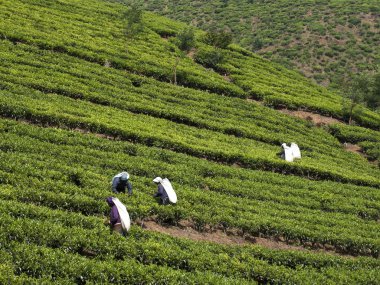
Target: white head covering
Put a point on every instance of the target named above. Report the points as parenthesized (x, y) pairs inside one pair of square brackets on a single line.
[(157, 180)]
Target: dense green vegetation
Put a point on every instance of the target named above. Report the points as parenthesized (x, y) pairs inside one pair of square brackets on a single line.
[(369, 140), (323, 39), (67, 102), (62, 32), (82, 99), (45, 190)]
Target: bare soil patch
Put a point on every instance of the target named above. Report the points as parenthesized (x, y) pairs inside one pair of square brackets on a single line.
[(191, 53), (227, 78), (185, 229), (316, 119), (254, 100), (353, 148)]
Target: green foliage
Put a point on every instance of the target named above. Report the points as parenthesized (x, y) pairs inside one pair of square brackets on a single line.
[(369, 140), (218, 39), (84, 102), (209, 57), (373, 96), (372, 150), (272, 27), (186, 39), (359, 90), (134, 18), (253, 197)]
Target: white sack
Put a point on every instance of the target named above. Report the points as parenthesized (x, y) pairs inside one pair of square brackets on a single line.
[(288, 153), (123, 213), (295, 150), (169, 190)]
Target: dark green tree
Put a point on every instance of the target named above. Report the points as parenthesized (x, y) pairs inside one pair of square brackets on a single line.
[(257, 43), (218, 39), (209, 57), (355, 91), (134, 19), (373, 99), (185, 39)]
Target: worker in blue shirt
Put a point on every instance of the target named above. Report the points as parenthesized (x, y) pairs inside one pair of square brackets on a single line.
[(120, 182)]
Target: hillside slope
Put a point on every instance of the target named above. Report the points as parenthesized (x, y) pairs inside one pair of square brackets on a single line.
[(80, 101), (323, 39)]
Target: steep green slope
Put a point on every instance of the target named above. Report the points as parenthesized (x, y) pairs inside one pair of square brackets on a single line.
[(323, 39), (79, 35), (43, 205), (67, 68), (64, 100)]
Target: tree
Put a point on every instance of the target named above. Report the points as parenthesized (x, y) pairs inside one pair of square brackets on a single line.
[(218, 39), (209, 57), (359, 90), (373, 100), (176, 62), (134, 19), (185, 39), (355, 92), (257, 43)]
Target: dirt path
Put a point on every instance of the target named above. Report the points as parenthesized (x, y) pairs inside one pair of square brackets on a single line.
[(316, 119), (353, 148), (185, 230)]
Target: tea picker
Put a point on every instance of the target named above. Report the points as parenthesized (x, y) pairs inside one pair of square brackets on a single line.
[(120, 182), (119, 217), (289, 153), (165, 191)]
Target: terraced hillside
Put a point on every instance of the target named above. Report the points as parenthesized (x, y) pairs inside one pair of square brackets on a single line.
[(323, 39), (80, 101)]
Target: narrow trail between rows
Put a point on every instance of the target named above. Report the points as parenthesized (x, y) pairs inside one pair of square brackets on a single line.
[(316, 119), (185, 230)]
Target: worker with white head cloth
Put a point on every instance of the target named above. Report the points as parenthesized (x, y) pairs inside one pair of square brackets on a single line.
[(287, 153), (165, 191), (120, 182), (290, 153)]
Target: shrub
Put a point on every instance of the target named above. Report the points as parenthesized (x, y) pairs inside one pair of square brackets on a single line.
[(218, 39), (185, 39), (134, 19), (209, 58)]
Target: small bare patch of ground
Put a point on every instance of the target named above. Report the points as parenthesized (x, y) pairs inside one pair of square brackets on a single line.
[(227, 78), (190, 233), (316, 119), (185, 229), (191, 53), (267, 49), (83, 131), (254, 100), (353, 148)]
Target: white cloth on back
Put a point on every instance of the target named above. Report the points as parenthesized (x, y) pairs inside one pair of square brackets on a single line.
[(123, 213), (288, 153), (169, 190), (295, 150)]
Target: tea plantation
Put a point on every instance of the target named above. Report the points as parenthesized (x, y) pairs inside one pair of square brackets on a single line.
[(80, 101), (325, 40)]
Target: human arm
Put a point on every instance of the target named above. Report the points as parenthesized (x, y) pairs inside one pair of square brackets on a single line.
[(129, 186), (160, 191), (115, 181)]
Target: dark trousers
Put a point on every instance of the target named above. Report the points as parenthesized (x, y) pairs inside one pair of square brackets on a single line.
[(164, 201)]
